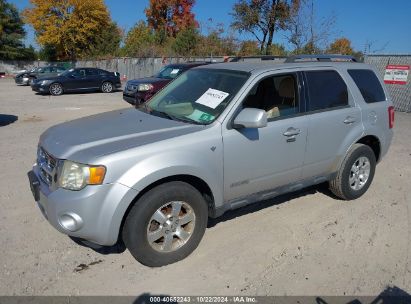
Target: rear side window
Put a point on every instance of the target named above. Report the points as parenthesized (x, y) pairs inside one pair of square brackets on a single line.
[(326, 89), (369, 85)]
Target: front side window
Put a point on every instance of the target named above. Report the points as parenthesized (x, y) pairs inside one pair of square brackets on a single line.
[(197, 96), (277, 95), (368, 84), (326, 90)]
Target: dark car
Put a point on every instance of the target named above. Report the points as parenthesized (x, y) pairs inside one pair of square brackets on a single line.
[(79, 80), (28, 77), (138, 91)]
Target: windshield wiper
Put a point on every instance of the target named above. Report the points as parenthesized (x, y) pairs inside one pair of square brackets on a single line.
[(186, 119)]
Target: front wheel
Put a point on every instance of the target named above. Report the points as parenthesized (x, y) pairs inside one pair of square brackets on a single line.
[(56, 89), (356, 173), (166, 224), (107, 87)]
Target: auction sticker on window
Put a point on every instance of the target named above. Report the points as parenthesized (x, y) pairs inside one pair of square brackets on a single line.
[(396, 74), (175, 71), (212, 98)]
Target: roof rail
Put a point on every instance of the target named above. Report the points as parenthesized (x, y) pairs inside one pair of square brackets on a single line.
[(262, 57), (321, 58)]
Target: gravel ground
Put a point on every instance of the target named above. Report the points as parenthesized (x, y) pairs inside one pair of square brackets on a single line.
[(306, 243)]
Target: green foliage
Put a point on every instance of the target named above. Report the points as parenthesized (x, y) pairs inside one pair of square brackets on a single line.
[(186, 42), (262, 18), (277, 50), (108, 43), (48, 53), (11, 33), (249, 48), (139, 41)]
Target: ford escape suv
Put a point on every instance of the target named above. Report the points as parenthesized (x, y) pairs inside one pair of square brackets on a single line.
[(217, 138)]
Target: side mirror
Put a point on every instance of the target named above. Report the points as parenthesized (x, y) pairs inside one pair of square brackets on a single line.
[(250, 118)]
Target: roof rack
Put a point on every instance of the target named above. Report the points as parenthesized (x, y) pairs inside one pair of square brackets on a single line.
[(321, 58), (262, 57)]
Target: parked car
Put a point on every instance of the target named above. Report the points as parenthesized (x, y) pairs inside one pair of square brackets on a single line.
[(216, 138), (28, 77), (138, 91), (78, 80), (22, 77)]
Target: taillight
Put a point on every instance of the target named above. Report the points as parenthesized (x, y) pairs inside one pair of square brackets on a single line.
[(391, 115)]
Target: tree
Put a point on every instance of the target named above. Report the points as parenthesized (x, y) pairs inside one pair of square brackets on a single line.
[(341, 46), (108, 43), (48, 53), (263, 18), (70, 25), (171, 16), (277, 50), (186, 42), (216, 42), (249, 48), (307, 34), (11, 32), (139, 40)]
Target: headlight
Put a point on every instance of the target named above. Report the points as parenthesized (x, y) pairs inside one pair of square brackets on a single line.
[(43, 82), (74, 176), (145, 87)]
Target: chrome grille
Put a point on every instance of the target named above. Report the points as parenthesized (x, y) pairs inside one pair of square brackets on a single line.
[(47, 166)]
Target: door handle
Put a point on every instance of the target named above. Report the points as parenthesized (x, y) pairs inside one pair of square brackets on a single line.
[(349, 120), (292, 132)]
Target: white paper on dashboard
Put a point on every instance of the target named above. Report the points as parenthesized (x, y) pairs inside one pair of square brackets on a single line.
[(175, 71), (212, 98)]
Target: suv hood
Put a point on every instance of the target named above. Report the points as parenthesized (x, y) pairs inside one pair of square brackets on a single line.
[(84, 139), (148, 80)]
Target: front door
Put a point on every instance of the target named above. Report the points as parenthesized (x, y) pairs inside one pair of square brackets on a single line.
[(257, 160)]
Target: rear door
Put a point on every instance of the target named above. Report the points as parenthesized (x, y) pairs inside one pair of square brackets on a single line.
[(334, 121), (375, 105), (92, 79)]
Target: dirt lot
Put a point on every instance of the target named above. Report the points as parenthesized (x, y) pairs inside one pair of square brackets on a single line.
[(306, 243)]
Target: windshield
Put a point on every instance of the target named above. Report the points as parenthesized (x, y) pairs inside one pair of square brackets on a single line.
[(197, 96), (169, 72)]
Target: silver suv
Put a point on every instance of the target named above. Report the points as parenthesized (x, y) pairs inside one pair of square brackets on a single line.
[(217, 138)]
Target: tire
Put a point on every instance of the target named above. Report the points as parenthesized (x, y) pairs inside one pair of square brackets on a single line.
[(56, 89), (107, 87), (353, 179), (141, 222)]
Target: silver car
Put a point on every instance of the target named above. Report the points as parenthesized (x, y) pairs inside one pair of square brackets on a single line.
[(217, 138)]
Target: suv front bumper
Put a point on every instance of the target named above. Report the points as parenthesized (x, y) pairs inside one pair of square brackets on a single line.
[(94, 213)]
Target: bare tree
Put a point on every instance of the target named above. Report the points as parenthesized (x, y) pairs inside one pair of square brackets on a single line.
[(371, 48), (307, 33)]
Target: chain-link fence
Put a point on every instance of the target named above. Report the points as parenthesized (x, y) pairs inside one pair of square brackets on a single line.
[(400, 93)]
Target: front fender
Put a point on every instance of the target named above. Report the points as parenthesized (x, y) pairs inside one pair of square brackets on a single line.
[(159, 166)]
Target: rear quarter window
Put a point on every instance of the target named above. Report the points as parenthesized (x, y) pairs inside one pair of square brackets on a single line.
[(368, 84), (326, 90)]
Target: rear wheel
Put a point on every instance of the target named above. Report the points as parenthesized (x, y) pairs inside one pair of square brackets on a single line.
[(166, 224), (107, 87), (356, 173), (56, 89)]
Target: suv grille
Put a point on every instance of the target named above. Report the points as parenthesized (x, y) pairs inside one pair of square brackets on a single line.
[(47, 166)]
